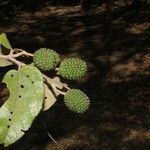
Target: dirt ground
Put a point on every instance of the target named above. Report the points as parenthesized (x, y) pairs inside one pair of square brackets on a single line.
[(117, 50)]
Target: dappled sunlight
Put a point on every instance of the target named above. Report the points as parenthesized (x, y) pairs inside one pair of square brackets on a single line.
[(81, 137), (137, 28), (9, 30), (60, 10), (138, 135), (137, 65), (116, 49), (108, 127), (78, 32), (114, 58)]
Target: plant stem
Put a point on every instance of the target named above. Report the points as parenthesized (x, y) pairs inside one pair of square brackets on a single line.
[(12, 57), (56, 83), (18, 63), (22, 53), (50, 136), (57, 91)]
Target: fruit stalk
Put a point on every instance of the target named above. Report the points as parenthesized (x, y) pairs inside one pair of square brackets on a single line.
[(12, 57)]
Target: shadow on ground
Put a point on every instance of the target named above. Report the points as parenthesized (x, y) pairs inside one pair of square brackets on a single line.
[(118, 84)]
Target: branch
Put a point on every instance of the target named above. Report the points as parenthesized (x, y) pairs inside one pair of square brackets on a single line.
[(57, 91), (22, 52), (12, 59), (56, 85), (18, 63)]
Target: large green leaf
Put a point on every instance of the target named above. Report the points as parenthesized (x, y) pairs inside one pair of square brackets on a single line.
[(4, 41), (24, 104)]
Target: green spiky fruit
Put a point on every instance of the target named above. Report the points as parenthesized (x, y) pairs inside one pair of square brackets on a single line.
[(46, 59), (76, 100), (73, 68)]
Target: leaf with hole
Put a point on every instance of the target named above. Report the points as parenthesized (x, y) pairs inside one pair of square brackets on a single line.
[(24, 104), (49, 98), (5, 43)]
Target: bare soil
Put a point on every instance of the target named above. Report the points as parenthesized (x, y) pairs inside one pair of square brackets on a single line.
[(117, 50)]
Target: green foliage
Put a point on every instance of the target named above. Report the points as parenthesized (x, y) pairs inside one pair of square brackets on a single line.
[(32, 91), (76, 100), (5, 43), (73, 68), (46, 59), (24, 104)]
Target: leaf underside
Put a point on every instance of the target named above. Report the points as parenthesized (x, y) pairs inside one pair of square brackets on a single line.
[(4, 62), (24, 104), (49, 98)]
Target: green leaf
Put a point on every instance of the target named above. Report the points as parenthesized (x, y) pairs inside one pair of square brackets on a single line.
[(24, 104), (4, 41), (49, 98)]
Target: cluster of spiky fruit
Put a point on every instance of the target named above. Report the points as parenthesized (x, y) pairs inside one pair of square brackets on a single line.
[(46, 59), (71, 69), (46, 89), (76, 100)]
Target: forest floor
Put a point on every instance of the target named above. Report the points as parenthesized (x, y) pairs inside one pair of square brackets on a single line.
[(117, 51)]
